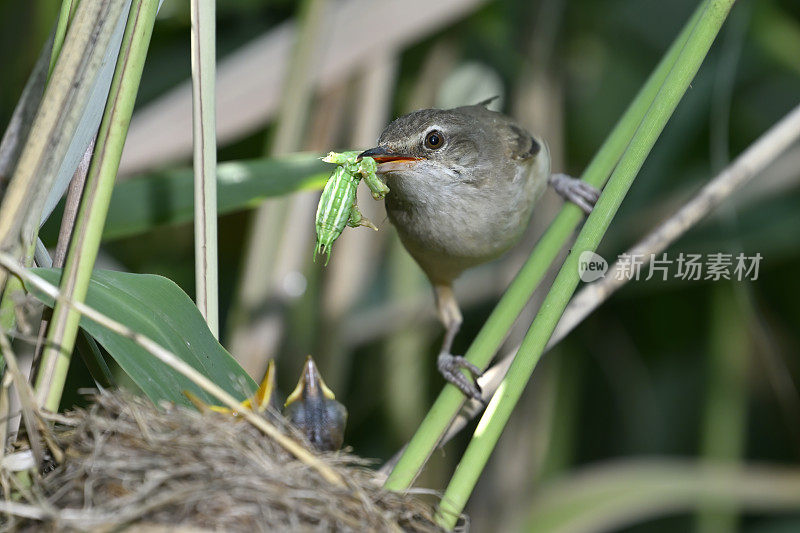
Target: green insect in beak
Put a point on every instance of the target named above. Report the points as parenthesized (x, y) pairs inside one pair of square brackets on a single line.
[(337, 206)]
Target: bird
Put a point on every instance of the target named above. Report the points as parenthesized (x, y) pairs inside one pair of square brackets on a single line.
[(312, 408), (463, 183)]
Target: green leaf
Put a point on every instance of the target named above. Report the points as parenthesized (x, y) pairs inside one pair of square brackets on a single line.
[(167, 197), (157, 308), (616, 495)]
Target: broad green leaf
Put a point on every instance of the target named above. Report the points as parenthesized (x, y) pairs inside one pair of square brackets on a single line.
[(167, 197), (156, 307)]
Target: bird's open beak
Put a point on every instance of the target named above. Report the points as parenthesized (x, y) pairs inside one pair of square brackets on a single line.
[(313, 410), (389, 161), (310, 385)]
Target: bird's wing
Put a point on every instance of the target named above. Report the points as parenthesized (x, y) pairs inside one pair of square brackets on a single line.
[(517, 142)]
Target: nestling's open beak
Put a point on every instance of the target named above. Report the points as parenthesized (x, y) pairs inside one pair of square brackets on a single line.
[(310, 384), (389, 161), (312, 409)]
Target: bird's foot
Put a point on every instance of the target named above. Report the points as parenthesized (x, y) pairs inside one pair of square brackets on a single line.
[(576, 191), (450, 365)]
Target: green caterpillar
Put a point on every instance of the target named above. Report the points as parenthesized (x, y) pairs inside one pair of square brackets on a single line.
[(337, 205)]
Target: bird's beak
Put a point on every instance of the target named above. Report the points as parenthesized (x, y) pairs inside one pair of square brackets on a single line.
[(312, 409), (310, 385), (388, 160)]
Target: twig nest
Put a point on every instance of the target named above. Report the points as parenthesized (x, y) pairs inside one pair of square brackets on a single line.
[(131, 464)]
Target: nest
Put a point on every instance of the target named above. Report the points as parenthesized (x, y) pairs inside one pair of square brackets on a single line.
[(128, 464)]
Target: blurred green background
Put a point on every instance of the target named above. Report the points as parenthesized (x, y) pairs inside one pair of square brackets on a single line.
[(676, 368)]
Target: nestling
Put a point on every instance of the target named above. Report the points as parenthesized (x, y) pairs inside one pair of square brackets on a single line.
[(312, 408), (463, 183)]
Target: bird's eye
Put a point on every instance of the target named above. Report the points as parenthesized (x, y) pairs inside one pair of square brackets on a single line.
[(434, 140)]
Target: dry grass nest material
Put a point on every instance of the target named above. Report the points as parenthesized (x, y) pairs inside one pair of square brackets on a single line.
[(129, 463)]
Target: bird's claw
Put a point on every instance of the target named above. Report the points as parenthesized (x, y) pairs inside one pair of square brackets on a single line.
[(450, 365), (576, 191)]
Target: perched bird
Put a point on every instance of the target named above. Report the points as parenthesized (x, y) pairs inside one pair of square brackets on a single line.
[(312, 408), (463, 183)]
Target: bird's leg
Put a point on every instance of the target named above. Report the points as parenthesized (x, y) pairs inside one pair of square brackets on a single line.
[(576, 191), (449, 314), (450, 365)]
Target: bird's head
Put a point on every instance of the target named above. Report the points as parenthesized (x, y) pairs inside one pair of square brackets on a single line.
[(313, 409), (429, 149), (435, 151)]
